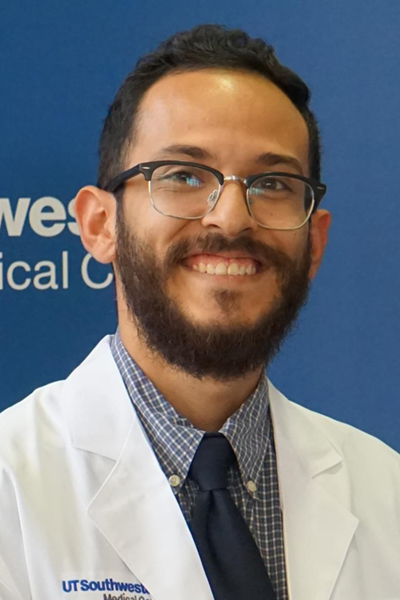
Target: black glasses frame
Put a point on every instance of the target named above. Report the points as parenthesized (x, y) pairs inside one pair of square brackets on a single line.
[(147, 169)]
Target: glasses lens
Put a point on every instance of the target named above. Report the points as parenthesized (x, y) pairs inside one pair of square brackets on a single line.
[(281, 202), (183, 191)]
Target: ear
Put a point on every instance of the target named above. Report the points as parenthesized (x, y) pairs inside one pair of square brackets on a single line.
[(95, 212), (319, 226)]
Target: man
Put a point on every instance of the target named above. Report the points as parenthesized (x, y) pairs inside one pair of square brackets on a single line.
[(167, 466)]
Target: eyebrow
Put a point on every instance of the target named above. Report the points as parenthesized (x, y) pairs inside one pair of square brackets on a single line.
[(193, 151), (270, 160), (265, 160)]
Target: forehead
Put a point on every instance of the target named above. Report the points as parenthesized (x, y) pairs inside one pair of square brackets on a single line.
[(233, 115)]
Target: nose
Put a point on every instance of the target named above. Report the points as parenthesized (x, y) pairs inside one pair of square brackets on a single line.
[(230, 215)]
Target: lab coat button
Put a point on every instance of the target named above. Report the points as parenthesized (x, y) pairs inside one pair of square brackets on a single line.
[(251, 486), (174, 480)]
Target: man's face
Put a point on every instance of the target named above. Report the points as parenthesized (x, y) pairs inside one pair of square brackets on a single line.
[(209, 324)]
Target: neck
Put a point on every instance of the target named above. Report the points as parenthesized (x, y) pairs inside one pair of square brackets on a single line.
[(206, 403)]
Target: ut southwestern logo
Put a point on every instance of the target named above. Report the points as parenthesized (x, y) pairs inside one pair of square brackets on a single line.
[(46, 217), (106, 585)]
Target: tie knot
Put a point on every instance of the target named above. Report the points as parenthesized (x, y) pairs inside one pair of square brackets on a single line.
[(211, 463)]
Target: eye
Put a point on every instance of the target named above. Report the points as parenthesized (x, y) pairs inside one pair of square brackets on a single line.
[(271, 183), (275, 186), (186, 178)]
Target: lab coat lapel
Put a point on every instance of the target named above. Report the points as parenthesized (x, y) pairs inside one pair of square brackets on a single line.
[(317, 528), (135, 508), (137, 512)]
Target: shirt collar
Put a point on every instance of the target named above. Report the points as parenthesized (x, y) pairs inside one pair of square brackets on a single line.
[(249, 430), (173, 437)]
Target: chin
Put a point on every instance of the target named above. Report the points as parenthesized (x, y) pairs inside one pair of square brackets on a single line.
[(223, 318)]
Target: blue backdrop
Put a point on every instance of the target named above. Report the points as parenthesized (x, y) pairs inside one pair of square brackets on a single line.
[(60, 65)]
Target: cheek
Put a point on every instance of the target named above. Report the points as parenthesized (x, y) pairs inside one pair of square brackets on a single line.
[(165, 234), (154, 229), (292, 243)]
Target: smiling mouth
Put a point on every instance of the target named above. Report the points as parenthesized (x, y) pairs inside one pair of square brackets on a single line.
[(220, 265)]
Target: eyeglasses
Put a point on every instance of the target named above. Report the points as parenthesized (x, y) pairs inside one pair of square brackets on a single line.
[(187, 190)]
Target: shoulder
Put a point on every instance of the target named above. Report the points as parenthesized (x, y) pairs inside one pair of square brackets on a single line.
[(39, 420), (347, 438), (40, 411), (360, 451)]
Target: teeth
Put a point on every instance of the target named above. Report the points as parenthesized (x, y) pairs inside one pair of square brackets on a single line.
[(222, 269), (233, 269)]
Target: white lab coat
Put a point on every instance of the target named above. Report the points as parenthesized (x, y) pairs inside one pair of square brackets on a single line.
[(87, 513)]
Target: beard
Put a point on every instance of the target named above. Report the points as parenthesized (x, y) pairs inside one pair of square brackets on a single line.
[(224, 352)]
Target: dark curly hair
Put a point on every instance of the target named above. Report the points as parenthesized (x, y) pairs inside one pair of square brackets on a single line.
[(205, 46)]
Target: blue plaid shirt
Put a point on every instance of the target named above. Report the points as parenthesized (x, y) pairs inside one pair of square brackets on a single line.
[(253, 484)]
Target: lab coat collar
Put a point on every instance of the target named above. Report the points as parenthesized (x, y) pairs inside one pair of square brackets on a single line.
[(317, 528), (98, 409)]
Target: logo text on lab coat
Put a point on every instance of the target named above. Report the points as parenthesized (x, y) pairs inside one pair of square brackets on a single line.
[(106, 585)]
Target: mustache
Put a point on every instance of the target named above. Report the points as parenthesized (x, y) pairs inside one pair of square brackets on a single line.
[(214, 243)]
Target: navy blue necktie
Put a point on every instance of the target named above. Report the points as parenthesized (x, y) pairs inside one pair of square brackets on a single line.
[(230, 557)]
